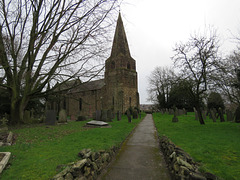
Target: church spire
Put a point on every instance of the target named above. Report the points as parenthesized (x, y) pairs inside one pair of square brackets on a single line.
[(120, 44)]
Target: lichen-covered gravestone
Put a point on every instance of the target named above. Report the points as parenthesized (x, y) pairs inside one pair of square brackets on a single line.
[(62, 118), (50, 117)]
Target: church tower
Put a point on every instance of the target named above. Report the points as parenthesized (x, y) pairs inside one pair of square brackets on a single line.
[(120, 74)]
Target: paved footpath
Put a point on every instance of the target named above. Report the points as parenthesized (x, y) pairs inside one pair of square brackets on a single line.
[(140, 157)]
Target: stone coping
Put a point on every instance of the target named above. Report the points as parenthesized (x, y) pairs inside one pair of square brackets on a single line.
[(4, 160)]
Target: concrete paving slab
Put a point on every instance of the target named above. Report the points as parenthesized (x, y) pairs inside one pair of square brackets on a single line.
[(140, 157)]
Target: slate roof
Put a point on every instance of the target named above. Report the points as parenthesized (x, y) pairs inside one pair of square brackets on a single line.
[(89, 86)]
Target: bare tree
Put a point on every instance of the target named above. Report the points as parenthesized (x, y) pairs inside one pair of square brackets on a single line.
[(227, 80), (160, 82), (196, 60), (49, 41)]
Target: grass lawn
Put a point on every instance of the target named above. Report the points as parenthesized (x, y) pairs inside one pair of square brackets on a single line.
[(216, 146), (40, 149)]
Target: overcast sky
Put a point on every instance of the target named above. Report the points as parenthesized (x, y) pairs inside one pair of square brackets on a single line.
[(153, 27)]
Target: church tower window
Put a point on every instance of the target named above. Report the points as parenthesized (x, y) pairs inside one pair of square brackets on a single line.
[(128, 66), (113, 65)]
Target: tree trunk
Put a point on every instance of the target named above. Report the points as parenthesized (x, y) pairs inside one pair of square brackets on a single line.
[(17, 111), (200, 116)]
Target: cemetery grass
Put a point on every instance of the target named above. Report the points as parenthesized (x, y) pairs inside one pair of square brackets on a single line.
[(40, 149), (215, 146)]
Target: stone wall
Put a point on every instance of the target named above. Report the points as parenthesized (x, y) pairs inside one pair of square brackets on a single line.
[(181, 164), (89, 167)]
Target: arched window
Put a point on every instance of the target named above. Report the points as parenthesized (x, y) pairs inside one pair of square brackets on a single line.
[(112, 65), (128, 66)]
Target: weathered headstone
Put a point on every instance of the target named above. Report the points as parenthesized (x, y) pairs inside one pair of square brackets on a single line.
[(119, 116), (237, 115), (50, 117), (230, 116), (109, 115), (171, 111), (135, 114), (62, 118), (196, 114), (98, 115), (3, 125), (175, 119), (104, 115), (73, 117), (129, 116)]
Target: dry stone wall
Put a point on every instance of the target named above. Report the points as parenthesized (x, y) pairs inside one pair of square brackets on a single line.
[(89, 167), (181, 164)]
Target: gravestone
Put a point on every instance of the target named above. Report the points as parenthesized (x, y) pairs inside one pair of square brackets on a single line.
[(230, 116), (213, 115), (3, 125), (104, 115), (109, 115), (237, 115), (135, 114), (129, 116), (98, 115), (62, 118), (73, 117), (119, 115), (196, 114), (50, 117), (171, 111), (175, 119)]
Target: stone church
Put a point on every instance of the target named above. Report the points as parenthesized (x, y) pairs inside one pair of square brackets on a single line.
[(118, 90)]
